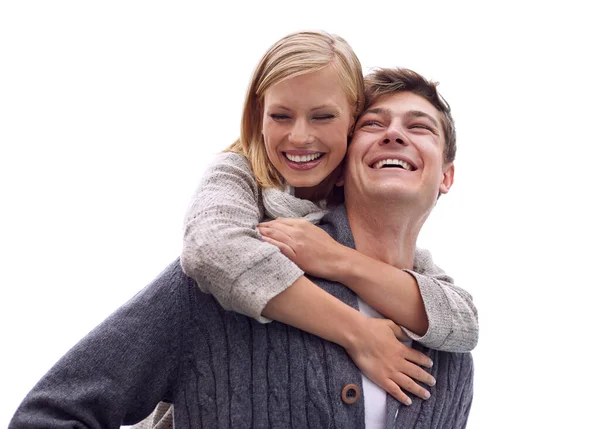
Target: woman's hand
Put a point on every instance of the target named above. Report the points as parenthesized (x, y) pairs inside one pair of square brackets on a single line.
[(307, 245), (390, 364)]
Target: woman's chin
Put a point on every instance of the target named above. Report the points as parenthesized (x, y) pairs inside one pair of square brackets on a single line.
[(304, 184)]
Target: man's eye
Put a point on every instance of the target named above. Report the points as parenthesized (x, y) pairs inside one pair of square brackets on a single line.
[(422, 126), (371, 124)]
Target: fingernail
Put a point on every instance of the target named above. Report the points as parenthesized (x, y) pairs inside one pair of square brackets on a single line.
[(427, 394), (430, 363), (432, 382), (408, 401)]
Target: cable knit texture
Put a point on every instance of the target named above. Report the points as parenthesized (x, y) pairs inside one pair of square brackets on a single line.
[(220, 369)]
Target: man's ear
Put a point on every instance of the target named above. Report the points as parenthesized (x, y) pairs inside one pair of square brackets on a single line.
[(447, 178)]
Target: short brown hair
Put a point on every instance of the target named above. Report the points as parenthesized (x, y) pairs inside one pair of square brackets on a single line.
[(294, 55), (387, 81)]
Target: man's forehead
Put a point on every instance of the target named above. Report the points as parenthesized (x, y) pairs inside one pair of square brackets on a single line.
[(404, 103)]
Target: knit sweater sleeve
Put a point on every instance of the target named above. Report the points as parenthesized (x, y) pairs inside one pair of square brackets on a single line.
[(222, 249), (119, 372), (452, 315)]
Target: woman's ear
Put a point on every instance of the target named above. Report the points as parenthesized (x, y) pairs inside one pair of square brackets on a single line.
[(351, 129), (340, 180)]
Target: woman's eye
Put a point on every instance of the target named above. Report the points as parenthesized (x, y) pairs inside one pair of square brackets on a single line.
[(324, 117), (279, 117)]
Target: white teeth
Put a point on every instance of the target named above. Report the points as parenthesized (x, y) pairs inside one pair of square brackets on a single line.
[(403, 164), (303, 158)]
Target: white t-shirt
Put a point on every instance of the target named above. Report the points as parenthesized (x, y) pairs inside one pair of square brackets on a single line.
[(375, 397)]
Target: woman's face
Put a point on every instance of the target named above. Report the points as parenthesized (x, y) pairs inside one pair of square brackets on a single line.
[(306, 121)]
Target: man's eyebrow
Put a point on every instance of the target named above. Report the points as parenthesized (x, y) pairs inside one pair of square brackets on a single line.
[(421, 114), (411, 113), (378, 111)]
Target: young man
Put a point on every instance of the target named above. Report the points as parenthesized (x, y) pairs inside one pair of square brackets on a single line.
[(219, 369)]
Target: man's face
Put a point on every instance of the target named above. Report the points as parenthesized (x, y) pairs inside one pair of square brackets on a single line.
[(397, 151)]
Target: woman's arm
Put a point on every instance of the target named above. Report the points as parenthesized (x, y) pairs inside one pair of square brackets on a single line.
[(452, 314), (372, 343), (424, 300), (222, 249), (119, 372)]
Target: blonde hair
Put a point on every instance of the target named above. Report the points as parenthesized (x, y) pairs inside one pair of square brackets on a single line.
[(294, 55)]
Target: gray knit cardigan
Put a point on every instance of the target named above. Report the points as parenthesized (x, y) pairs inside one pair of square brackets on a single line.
[(174, 343)]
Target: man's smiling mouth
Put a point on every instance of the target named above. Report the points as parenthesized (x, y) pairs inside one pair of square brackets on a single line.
[(393, 163)]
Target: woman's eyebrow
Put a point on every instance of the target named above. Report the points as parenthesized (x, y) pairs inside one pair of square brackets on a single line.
[(324, 106), (320, 107), (277, 106)]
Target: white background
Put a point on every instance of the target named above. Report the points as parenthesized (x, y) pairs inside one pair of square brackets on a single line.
[(109, 112)]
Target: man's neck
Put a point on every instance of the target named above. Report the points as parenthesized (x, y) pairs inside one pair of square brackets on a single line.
[(388, 234)]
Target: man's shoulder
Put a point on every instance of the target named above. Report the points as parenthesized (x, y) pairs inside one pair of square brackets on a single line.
[(335, 223), (166, 294), (423, 261)]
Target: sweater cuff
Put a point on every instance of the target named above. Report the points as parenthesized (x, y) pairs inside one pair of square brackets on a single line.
[(265, 280), (440, 321)]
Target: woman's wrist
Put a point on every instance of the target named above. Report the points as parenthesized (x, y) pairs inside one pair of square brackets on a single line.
[(352, 331), (344, 266)]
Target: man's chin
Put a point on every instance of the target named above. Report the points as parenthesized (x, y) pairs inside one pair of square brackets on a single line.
[(403, 196)]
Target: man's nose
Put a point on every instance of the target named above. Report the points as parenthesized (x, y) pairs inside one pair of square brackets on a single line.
[(300, 133), (394, 135)]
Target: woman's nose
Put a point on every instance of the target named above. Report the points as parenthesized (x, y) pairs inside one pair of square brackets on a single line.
[(300, 133)]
